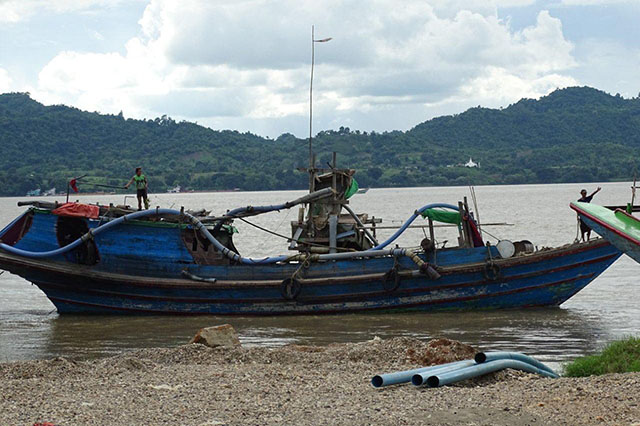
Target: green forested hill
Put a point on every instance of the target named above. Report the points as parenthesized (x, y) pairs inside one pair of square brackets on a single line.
[(571, 135)]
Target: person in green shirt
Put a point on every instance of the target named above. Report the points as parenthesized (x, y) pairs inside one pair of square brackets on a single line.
[(141, 188)]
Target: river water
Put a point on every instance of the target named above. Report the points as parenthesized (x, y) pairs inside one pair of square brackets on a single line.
[(605, 310)]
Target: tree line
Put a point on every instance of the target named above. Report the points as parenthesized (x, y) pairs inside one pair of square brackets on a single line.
[(576, 134)]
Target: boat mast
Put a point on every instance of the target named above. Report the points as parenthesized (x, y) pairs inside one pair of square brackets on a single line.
[(311, 159), (311, 173)]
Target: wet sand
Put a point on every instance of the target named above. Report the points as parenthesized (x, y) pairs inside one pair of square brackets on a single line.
[(197, 385)]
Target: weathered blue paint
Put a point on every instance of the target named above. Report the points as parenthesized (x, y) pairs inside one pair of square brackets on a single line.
[(140, 270)]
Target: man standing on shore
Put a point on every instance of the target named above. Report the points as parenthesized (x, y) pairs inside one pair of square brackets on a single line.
[(584, 228), (141, 188)]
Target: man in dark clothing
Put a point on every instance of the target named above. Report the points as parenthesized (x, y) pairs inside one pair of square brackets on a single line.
[(141, 188), (584, 228)]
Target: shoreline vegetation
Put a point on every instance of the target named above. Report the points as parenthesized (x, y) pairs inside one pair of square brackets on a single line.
[(197, 385), (620, 356), (577, 134)]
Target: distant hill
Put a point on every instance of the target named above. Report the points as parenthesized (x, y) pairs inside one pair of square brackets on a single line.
[(572, 135)]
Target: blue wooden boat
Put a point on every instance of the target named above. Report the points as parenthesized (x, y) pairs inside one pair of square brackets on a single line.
[(112, 260), (619, 227)]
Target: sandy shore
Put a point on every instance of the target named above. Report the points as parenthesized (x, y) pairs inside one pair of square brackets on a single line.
[(197, 385)]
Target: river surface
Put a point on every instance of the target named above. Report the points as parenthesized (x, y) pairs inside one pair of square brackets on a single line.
[(605, 310)]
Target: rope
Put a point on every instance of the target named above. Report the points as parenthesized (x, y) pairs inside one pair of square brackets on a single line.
[(304, 264), (268, 231), (489, 234), (264, 243)]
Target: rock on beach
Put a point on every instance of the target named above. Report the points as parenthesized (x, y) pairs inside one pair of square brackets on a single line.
[(219, 335), (309, 385)]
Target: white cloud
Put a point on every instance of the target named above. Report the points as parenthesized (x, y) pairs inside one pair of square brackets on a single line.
[(248, 61), (13, 11), (498, 86), (596, 2), (610, 66), (5, 81)]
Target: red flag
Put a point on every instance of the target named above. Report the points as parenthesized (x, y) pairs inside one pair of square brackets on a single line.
[(72, 184)]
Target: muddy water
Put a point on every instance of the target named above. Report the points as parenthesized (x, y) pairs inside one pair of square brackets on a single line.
[(607, 309)]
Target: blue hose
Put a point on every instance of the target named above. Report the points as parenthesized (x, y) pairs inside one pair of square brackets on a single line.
[(87, 236), (199, 226), (410, 221)]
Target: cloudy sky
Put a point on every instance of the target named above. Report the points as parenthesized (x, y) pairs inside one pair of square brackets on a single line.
[(245, 64)]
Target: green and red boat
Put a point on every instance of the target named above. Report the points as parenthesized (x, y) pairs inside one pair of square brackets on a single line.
[(619, 227)]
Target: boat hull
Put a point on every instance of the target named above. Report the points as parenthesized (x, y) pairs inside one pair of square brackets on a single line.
[(546, 278), (619, 228)]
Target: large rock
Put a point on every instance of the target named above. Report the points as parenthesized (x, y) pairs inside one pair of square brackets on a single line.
[(220, 335)]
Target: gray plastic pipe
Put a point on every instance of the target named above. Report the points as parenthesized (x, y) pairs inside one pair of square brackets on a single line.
[(420, 379), (388, 379), (481, 357), (458, 375)]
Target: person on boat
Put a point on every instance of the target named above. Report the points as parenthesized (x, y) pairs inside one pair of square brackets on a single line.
[(584, 228), (141, 188)]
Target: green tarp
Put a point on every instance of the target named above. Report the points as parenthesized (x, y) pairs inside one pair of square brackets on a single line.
[(230, 229), (353, 188), (442, 216)]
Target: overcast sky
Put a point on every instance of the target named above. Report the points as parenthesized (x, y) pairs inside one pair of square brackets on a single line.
[(245, 65)]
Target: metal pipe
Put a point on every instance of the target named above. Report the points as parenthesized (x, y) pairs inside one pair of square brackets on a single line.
[(388, 379), (255, 210), (333, 232), (360, 224), (482, 357), (482, 369), (435, 226)]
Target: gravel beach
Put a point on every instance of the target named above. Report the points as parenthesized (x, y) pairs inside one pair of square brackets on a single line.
[(198, 385)]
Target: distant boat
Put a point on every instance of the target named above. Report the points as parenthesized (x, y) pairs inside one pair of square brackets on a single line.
[(362, 191), (175, 189), (34, 193), (617, 226)]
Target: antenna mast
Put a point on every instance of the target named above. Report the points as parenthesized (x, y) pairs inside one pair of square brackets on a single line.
[(311, 162)]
